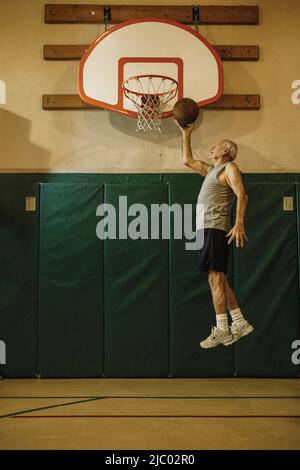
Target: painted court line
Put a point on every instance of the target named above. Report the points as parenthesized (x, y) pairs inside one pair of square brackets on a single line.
[(159, 416), (86, 400), (250, 397), (15, 414)]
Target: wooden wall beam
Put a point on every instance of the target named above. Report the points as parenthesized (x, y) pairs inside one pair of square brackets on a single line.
[(249, 53), (64, 13), (75, 52), (64, 52), (236, 102), (63, 101), (226, 102)]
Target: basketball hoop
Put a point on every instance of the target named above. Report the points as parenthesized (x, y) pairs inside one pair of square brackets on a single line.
[(150, 94)]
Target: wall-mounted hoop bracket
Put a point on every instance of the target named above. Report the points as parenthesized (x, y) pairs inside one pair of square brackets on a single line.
[(107, 16), (196, 18)]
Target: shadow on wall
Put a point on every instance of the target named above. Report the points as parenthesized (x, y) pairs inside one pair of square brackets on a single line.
[(112, 136), (16, 148), (97, 124), (214, 121), (258, 163)]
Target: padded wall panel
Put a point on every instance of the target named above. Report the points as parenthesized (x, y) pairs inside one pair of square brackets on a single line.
[(191, 308), (18, 279), (266, 282), (298, 232), (71, 282), (136, 294)]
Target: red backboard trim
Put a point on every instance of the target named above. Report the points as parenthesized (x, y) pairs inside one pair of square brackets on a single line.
[(117, 107), (126, 60)]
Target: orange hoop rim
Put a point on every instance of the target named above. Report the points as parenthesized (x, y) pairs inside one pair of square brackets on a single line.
[(138, 93)]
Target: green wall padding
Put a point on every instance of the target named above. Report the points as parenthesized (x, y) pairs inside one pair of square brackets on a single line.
[(265, 279), (136, 294), (298, 247), (191, 308), (71, 282), (136, 178), (157, 306), (298, 232), (18, 279)]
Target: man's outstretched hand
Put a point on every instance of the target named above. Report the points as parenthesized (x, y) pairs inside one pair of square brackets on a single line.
[(185, 130), (237, 232)]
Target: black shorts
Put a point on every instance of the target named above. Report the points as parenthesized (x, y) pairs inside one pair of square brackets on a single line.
[(215, 251)]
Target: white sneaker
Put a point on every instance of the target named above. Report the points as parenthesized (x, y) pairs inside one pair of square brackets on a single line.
[(239, 330), (217, 337)]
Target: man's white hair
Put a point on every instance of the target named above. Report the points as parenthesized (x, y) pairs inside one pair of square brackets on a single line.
[(233, 148)]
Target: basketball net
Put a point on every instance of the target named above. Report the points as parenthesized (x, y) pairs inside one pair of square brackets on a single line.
[(150, 94)]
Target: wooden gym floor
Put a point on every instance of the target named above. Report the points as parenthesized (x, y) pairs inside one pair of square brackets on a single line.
[(121, 414)]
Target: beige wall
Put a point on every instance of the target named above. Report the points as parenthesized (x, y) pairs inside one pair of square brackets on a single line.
[(98, 141)]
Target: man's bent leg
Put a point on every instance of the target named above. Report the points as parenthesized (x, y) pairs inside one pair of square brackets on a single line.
[(221, 333), (240, 327), (231, 301), (216, 280)]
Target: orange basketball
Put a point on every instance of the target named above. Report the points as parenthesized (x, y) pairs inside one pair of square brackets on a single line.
[(185, 111)]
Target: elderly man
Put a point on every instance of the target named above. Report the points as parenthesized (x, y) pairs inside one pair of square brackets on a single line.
[(222, 182)]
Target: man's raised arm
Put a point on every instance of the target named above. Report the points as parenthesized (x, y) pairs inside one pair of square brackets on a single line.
[(197, 165)]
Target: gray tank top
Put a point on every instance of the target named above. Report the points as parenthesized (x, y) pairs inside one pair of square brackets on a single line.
[(217, 200)]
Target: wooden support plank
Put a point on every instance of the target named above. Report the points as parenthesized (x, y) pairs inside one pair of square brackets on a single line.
[(64, 52), (232, 53), (236, 102), (63, 101), (75, 52), (93, 13), (226, 102)]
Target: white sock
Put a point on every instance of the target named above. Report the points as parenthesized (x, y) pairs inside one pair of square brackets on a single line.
[(222, 322), (237, 316)]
